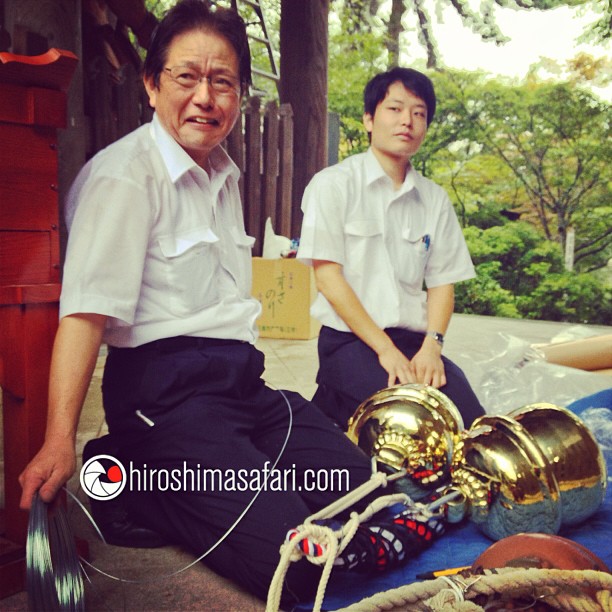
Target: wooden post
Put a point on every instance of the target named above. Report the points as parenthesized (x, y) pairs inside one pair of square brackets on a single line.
[(266, 163), (252, 174), (303, 48), (235, 149), (270, 165), (285, 178)]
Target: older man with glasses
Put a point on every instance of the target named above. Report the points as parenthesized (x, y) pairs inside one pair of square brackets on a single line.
[(158, 266)]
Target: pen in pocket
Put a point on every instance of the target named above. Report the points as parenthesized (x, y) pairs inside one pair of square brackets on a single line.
[(426, 240)]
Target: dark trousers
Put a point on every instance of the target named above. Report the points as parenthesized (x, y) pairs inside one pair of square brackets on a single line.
[(202, 403), (349, 373)]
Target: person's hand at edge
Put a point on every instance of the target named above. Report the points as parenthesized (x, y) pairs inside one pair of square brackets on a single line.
[(48, 471)]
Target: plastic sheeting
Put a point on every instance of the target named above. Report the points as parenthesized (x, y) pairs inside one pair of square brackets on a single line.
[(514, 373)]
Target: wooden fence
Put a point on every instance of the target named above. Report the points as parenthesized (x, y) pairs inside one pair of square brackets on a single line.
[(261, 144)]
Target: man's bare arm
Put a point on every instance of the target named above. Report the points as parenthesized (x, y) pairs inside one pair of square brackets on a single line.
[(332, 284), (75, 352)]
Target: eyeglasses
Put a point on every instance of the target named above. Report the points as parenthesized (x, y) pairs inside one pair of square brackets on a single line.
[(189, 78)]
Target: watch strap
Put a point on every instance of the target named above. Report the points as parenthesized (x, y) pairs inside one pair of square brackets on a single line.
[(437, 336)]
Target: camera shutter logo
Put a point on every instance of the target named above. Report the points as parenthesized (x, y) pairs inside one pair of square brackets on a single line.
[(103, 477)]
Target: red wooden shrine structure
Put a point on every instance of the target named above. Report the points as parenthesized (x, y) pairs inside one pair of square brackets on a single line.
[(32, 109)]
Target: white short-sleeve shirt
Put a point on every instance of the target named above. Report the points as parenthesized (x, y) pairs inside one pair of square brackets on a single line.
[(391, 243), (158, 245)]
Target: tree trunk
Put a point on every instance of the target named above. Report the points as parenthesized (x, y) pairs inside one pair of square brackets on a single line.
[(303, 50), (394, 29)]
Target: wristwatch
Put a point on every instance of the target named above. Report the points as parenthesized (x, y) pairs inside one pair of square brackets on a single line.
[(437, 336)]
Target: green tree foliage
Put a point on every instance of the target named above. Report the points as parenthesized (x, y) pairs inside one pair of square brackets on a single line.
[(353, 60), (521, 274), (451, 126), (539, 148), (569, 297), (484, 295), (601, 28), (159, 7), (552, 137), (391, 17), (453, 155)]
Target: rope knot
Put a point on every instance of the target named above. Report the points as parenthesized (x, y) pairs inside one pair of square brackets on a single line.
[(315, 542)]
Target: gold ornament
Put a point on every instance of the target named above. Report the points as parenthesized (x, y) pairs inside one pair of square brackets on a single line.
[(533, 470), (409, 427)]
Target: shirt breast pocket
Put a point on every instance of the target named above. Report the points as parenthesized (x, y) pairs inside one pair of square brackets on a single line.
[(192, 265), (414, 247), (238, 260), (363, 236)]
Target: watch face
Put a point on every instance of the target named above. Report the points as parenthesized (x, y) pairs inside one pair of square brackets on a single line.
[(438, 337)]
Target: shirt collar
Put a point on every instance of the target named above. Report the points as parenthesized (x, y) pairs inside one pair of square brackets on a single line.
[(178, 162), (374, 172)]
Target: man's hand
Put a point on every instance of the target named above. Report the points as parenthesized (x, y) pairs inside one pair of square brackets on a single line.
[(428, 366), (52, 466), (397, 365)]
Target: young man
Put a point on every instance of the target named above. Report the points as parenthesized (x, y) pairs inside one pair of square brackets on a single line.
[(158, 266), (375, 231)]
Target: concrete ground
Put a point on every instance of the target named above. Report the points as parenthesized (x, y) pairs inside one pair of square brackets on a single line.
[(490, 350)]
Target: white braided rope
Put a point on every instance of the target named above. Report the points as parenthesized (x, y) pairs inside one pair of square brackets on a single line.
[(423, 596), (333, 542)]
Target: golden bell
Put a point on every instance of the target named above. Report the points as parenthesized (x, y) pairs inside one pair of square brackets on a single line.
[(409, 427), (573, 454), (532, 470), (507, 485)]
